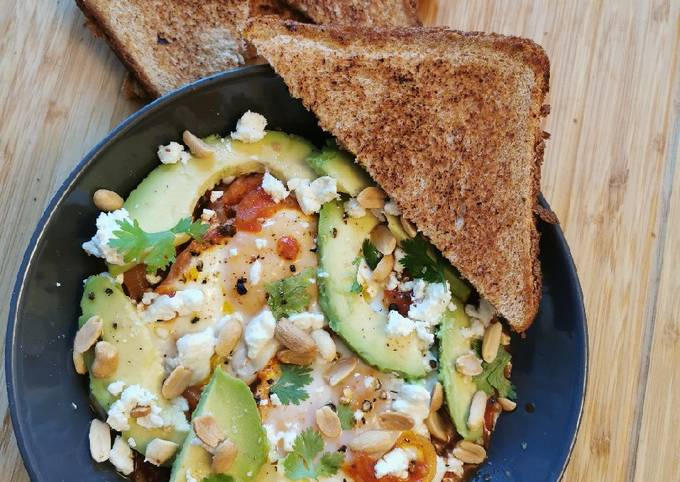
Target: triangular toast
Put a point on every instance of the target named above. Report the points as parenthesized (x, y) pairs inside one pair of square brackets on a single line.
[(447, 123)]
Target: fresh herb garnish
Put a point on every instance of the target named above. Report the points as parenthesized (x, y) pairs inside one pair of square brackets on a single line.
[(346, 416), (300, 463), (371, 254), (218, 478), (156, 250), (419, 263), (289, 295), (290, 385), (493, 377), (356, 286)]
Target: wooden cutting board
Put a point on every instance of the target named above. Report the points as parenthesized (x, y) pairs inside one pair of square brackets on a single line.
[(611, 174)]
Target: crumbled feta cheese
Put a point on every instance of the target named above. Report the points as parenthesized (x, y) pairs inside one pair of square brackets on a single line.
[(406, 285), (153, 278), (398, 325), (194, 352), (392, 209), (98, 246), (132, 396), (131, 442), (311, 196), (398, 256), (215, 195), (307, 321), (354, 209), (369, 382), (264, 402), (148, 297), (274, 187), (414, 400), (274, 398), (474, 331), (172, 153), (121, 456), (484, 312), (424, 333), (183, 303), (180, 403), (418, 289), (358, 415), (259, 331), (207, 214), (432, 305), (250, 127), (260, 243), (365, 279), (392, 282), (395, 463), (280, 441), (116, 388), (189, 477), (120, 278), (233, 252), (255, 272)]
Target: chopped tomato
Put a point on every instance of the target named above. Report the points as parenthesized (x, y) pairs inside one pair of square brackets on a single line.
[(398, 300), (287, 247), (238, 189), (135, 281), (362, 466)]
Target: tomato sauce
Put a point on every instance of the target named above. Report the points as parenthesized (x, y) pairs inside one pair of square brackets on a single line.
[(287, 247), (362, 469), (134, 281), (399, 300)]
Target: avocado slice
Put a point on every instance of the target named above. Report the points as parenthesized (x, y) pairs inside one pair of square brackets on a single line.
[(352, 179), (349, 176), (230, 401), (139, 360), (170, 192), (349, 314), (459, 389)]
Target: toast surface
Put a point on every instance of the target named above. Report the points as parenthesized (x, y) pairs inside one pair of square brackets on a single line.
[(168, 43), (359, 12), (447, 123)]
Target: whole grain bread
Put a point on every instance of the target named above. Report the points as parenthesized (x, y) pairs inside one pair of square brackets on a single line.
[(168, 43), (447, 123), (359, 12)]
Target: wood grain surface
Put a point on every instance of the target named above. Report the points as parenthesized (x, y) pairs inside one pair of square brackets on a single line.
[(610, 173)]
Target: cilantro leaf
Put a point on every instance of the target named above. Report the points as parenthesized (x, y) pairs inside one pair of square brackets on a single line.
[(371, 254), (419, 263), (330, 463), (218, 478), (493, 377), (289, 295), (156, 250), (346, 416), (290, 385), (300, 464)]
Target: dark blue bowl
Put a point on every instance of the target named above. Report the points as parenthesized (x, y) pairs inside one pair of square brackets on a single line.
[(49, 403)]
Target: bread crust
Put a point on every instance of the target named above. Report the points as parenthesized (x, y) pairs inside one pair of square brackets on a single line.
[(167, 44), (448, 123), (360, 12)]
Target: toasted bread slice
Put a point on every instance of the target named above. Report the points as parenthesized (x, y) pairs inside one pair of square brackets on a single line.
[(168, 43), (360, 12), (447, 123)]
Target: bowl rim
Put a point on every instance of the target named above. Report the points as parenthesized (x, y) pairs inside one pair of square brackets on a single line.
[(18, 425)]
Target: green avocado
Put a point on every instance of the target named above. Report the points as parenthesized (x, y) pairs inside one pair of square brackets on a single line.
[(352, 179), (331, 161), (459, 389), (349, 314), (170, 192), (230, 401), (139, 361)]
